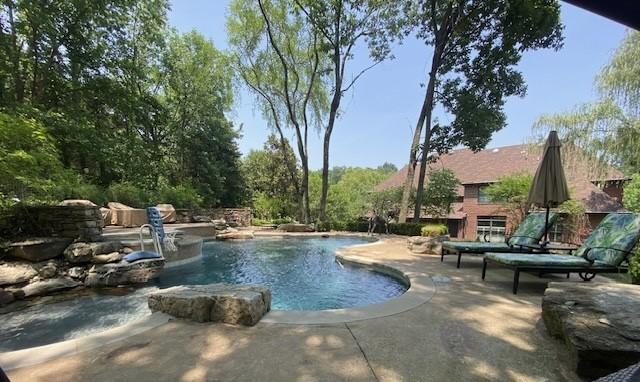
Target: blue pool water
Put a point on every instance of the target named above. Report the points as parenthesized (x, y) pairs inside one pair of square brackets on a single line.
[(302, 274)]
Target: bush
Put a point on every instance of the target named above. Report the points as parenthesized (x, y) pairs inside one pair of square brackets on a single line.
[(73, 186), (634, 267), (406, 229), (180, 196), (284, 220), (434, 230), (129, 194), (323, 226)]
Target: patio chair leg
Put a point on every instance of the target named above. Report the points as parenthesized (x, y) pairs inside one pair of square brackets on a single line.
[(516, 281), (484, 268), (459, 257), (568, 274), (442, 251)]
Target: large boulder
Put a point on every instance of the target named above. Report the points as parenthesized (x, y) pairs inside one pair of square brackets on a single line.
[(16, 273), (426, 244), (293, 227), (6, 297), (123, 273), (598, 322), (78, 253), (40, 288), (231, 304), (38, 249)]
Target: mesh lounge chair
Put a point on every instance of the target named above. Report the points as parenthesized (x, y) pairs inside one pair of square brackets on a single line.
[(525, 239), (604, 251)]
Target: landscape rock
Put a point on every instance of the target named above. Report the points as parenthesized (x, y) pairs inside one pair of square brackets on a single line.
[(48, 286), (219, 224), (48, 271), (77, 272), (201, 219), (231, 304), (38, 249), (6, 297), (15, 273), (112, 257), (234, 234), (294, 227), (127, 250), (123, 273), (598, 322), (81, 252), (426, 244)]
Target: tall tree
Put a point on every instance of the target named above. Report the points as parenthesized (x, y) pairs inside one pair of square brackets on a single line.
[(278, 57), (476, 46), (341, 24), (608, 129)]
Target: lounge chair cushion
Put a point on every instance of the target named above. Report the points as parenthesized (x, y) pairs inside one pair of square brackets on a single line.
[(618, 230), (476, 246), (543, 260), (531, 229), (141, 255)]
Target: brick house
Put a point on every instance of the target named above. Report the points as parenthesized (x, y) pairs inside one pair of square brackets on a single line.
[(473, 215)]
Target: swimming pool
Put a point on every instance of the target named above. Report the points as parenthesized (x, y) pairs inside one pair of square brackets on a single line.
[(301, 272)]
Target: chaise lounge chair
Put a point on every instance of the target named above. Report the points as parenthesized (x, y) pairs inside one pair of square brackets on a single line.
[(604, 251), (525, 239)]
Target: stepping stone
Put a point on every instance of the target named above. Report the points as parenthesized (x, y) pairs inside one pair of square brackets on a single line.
[(599, 323), (231, 304)]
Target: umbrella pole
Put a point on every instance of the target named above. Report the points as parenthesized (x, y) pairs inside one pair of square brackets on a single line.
[(546, 225)]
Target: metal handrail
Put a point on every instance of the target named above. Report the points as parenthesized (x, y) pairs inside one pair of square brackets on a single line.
[(154, 239)]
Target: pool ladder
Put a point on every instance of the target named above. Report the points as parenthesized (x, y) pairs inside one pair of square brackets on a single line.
[(157, 246)]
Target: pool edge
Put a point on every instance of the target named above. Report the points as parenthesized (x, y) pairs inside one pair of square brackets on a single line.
[(421, 290), (39, 354)]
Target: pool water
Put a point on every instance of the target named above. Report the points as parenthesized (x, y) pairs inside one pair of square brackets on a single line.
[(302, 274)]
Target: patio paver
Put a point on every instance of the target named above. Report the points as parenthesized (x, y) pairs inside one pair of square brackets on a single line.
[(469, 331)]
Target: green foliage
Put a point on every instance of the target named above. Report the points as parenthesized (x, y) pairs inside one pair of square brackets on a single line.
[(574, 221), (609, 128), (631, 197), (441, 192), (512, 191), (406, 229), (634, 267), (128, 194), (180, 196), (272, 179), (29, 162), (107, 94), (434, 230)]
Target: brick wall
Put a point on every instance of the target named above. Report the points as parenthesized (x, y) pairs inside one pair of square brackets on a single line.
[(473, 209)]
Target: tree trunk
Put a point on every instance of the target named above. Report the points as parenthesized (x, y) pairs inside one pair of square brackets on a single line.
[(425, 115), (428, 106), (333, 112), (411, 168)]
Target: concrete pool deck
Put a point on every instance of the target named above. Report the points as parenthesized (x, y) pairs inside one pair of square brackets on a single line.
[(468, 330)]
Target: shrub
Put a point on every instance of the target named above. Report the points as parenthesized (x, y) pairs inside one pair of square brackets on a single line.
[(284, 220), (634, 267), (406, 229), (434, 230), (259, 222), (129, 194), (180, 196), (323, 226)]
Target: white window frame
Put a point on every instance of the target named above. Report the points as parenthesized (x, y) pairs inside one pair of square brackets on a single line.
[(495, 231)]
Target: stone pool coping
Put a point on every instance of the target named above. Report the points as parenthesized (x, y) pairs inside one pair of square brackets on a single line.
[(421, 290)]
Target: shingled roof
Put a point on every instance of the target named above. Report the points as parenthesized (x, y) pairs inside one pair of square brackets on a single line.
[(487, 166)]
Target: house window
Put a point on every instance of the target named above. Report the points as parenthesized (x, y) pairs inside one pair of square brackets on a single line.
[(482, 195), (491, 228), (556, 233)]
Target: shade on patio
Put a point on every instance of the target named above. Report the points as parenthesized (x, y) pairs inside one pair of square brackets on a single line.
[(549, 187)]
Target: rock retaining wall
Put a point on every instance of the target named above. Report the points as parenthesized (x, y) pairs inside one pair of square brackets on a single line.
[(75, 222), (234, 217)]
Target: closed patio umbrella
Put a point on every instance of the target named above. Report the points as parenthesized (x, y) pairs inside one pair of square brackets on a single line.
[(549, 187)]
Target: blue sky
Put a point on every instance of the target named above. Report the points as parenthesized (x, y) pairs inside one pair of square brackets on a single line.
[(378, 115)]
